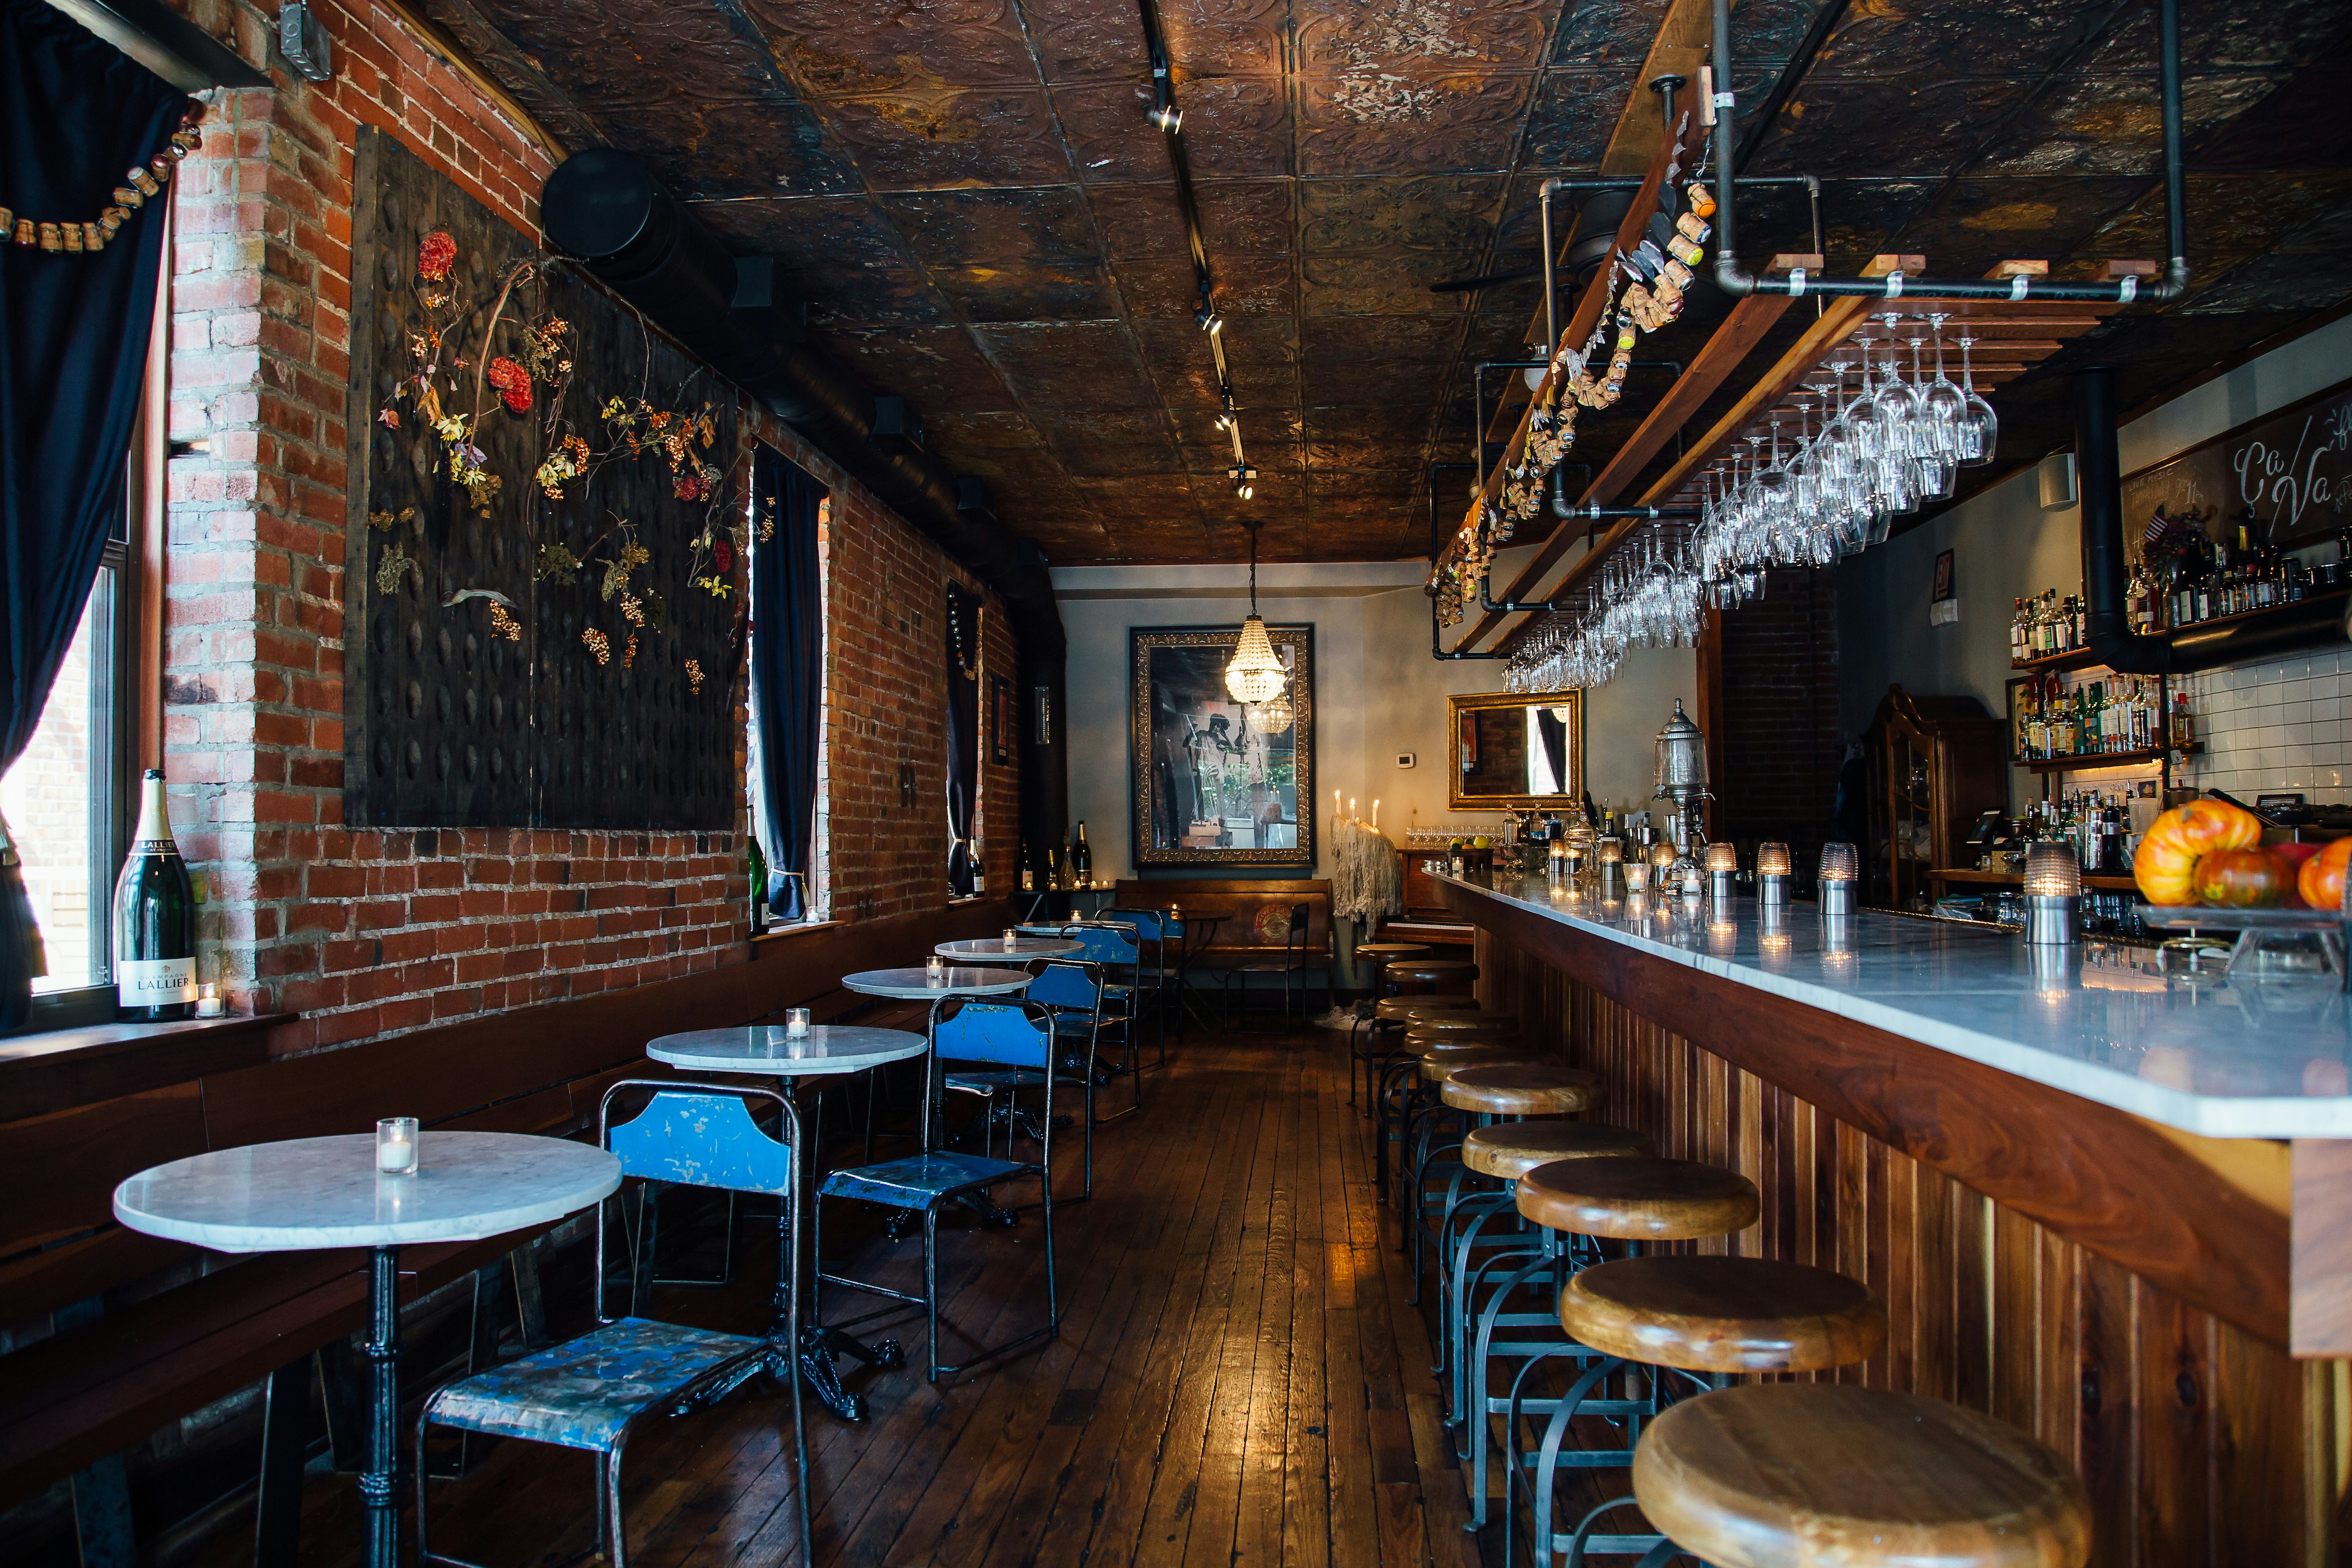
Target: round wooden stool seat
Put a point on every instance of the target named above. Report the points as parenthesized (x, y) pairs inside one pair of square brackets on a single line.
[(1510, 1150), (1544, 1090), (1639, 1200), (1408, 1009), (1443, 1065), (1723, 1315), (1420, 1037), (1434, 972), (1459, 1021), (1773, 1475), (1385, 950)]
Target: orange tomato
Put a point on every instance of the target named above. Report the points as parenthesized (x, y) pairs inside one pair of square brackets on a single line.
[(2206, 826), (2165, 865), (2243, 879), (2321, 881)]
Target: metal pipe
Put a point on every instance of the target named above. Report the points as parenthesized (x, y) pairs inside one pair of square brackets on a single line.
[(1551, 301), (1597, 514), (1895, 286), (2106, 620)]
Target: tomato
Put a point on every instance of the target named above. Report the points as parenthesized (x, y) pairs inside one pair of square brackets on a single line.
[(2321, 881), (2206, 826), (2243, 879), (2164, 866)]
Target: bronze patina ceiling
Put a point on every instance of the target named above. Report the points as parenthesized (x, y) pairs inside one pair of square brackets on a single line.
[(983, 219)]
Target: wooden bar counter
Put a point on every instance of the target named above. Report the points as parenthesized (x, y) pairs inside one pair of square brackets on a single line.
[(2108, 1207)]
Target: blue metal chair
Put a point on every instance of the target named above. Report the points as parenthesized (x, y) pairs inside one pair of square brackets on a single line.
[(1114, 950), (1156, 932), (1013, 1035), (1071, 990), (591, 1391)]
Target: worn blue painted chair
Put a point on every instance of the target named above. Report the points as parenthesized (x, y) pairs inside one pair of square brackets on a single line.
[(1016, 1036), (1071, 990), (1157, 933), (1116, 951), (590, 1393)]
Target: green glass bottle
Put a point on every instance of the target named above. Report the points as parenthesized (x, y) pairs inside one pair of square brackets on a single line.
[(154, 918), (759, 886)]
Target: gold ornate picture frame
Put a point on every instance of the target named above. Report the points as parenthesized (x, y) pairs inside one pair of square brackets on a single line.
[(1480, 754), (1211, 787)]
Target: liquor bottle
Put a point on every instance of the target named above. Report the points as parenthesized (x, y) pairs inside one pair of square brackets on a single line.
[(1082, 859), (978, 868), (2184, 726), (1028, 869), (759, 866), (154, 918), (2017, 649)]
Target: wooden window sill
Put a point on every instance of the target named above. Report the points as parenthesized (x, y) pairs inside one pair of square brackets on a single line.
[(786, 933), (52, 1070)]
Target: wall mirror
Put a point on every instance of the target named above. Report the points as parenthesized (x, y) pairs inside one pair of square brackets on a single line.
[(1511, 754), (1219, 782)]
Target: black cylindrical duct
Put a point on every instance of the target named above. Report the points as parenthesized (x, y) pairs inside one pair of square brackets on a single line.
[(1596, 232), (2106, 618)]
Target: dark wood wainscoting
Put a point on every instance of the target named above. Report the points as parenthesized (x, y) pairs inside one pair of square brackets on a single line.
[(2200, 1441)]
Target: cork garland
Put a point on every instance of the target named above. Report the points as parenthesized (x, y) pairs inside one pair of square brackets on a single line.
[(144, 180)]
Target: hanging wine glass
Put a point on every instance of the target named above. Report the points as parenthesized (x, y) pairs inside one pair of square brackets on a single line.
[(1942, 404), (1979, 426)]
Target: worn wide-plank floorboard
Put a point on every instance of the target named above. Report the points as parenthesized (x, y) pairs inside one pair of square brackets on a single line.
[(1239, 1379)]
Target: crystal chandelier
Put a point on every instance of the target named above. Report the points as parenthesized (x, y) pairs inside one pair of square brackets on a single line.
[(1255, 674), (1274, 716)]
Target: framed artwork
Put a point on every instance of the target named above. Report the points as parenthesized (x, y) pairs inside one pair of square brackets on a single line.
[(1945, 587), (1000, 720), (1219, 783), (1511, 754)]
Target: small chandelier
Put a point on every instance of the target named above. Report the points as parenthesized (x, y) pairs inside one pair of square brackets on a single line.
[(1255, 674), (1272, 717)]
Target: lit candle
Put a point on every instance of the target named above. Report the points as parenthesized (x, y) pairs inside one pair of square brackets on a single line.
[(936, 969), (1012, 939), (208, 1001), (796, 1023), (396, 1145)]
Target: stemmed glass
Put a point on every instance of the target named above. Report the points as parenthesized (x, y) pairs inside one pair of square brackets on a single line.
[(1979, 426)]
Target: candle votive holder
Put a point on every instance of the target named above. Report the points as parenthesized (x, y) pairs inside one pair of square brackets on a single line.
[(796, 1023), (396, 1145), (935, 969), (209, 1003)]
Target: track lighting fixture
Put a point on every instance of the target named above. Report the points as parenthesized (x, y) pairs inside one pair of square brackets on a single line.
[(1210, 320), (1169, 118)]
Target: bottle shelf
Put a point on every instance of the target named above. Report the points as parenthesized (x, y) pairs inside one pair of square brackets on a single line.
[(2080, 761)]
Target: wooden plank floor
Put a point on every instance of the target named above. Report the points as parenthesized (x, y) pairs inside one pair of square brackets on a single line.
[(1238, 1380)]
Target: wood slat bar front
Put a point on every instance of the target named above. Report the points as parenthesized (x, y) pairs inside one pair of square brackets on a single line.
[(2201, 1440)]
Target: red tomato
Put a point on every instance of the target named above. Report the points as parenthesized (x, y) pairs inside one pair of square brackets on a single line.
[(2243, 880)]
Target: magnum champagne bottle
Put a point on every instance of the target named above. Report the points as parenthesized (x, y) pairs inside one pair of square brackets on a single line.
[(155, 920), (1082, 859)]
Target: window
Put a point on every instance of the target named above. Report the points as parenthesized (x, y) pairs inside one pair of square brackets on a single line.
[(790, 528)]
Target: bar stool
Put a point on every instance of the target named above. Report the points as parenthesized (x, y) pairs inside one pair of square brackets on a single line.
[(1380, 954), (1402, 1102), (1778, 1473), (1389, 1014), (1442, 974), (1390, 1082), (1632, 1199), (1482, 1082), (1504, 1152)]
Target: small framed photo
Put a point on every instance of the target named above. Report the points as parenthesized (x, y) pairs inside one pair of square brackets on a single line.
[(1945, 587), (1000, 720)]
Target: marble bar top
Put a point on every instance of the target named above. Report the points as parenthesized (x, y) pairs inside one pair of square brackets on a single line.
[(2227, 1059)]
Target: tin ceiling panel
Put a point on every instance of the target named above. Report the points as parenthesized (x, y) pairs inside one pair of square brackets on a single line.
[(971, 199)]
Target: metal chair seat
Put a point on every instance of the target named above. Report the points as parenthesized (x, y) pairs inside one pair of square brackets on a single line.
[(921, 1181), (584, 1392), (993, 1082)]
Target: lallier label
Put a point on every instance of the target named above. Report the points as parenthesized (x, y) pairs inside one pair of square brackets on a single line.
[(153, 982)]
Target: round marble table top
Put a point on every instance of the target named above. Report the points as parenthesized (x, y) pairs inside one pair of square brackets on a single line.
[(916, 985), (994, 949), (766, 1049), (311, 1193)]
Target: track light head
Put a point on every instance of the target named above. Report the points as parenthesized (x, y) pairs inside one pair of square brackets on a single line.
[(1169, 118)]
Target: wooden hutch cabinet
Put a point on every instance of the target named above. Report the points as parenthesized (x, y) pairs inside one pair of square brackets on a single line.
[(1935, 764)]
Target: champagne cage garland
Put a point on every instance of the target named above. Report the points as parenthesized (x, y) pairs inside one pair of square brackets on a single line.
[(1652, 279), (143, 182)]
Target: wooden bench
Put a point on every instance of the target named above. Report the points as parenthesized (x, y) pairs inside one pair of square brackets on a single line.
[(1252, 916), (85, 1391)]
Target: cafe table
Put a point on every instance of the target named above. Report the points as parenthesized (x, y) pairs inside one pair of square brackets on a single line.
[(922, 986), (996, 950), (312, 1193), (827, 1050)]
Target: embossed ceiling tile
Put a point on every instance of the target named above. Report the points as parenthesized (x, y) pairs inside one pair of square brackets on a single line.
[(1338, 342), (1111, 131), (2226, 38), (1275, 495), (1044, 226), (1081, 293), (706, 148), (1575, 114), (1841, 127), (1139, 220), (1246, 285), (1612, 34), (1373, 38), (2114, 125), (876, 297), (825, 234), (2320, 281), (1074, 366), (1129, 441), (1087, 40), (1410, 212), (1377, 286), (1362, 453), (1383, 503), (931, 367), (2229, 215), (1247, 216), (2020, 38), (609, 54), (967, 431), (2303, 122), (1417, 124), (1236, 127), (837, 51), (1771, 29), (1373, 383), (1395, 421), (2000, 220), (1223, 38), (1859, 219), (931, 140)]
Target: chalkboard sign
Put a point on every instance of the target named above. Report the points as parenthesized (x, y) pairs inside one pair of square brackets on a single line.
[(2286, 476)]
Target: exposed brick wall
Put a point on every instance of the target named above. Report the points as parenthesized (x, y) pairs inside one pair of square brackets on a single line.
[(369, 931), (1780, 714)]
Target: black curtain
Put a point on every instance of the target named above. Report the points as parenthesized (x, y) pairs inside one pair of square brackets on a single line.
[(787, 670), (75, 113), (1555, 744), (963, 733)]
